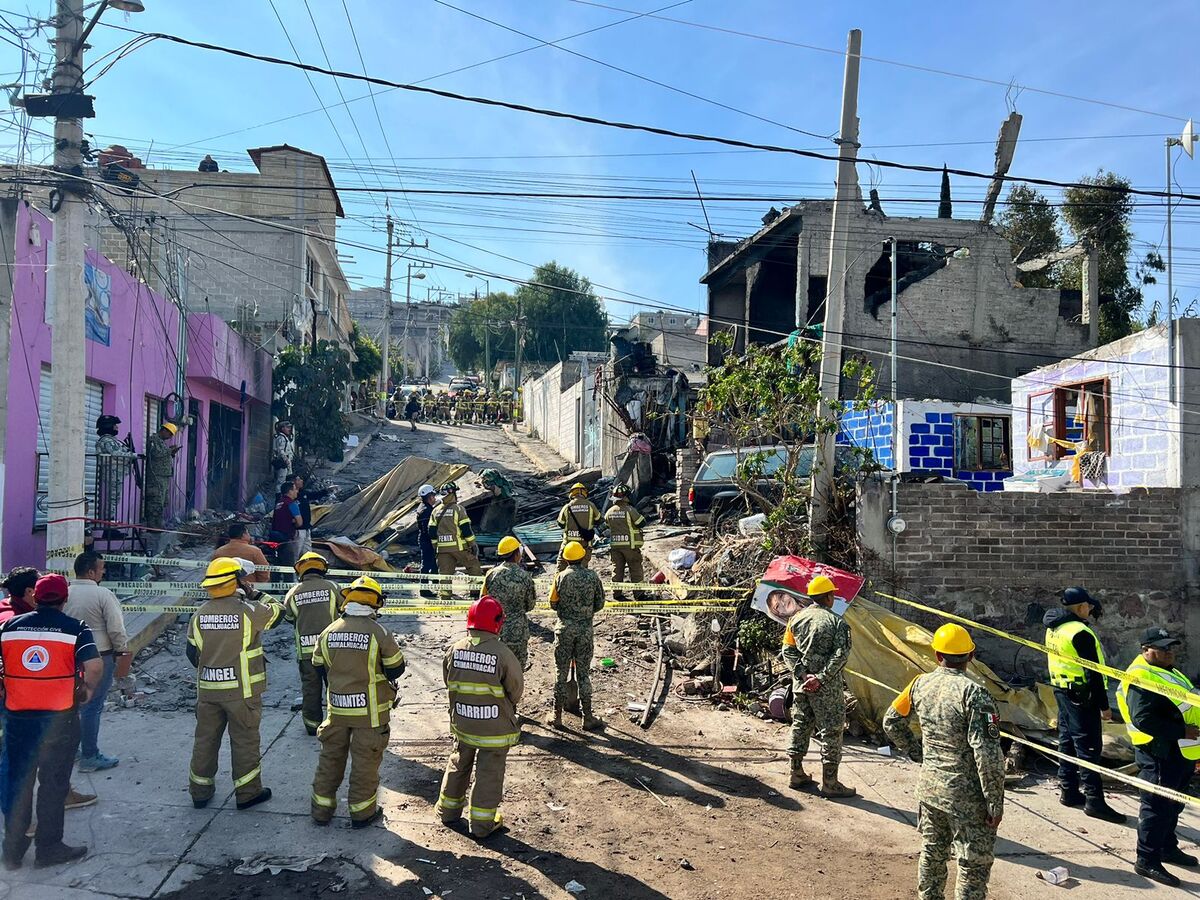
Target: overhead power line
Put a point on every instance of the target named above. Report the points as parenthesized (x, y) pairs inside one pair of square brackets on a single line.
[(631, 126)]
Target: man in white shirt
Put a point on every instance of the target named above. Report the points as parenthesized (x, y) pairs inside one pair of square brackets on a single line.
[(98, 608)]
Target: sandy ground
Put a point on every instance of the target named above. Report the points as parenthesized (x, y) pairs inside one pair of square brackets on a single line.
[(695, 807)]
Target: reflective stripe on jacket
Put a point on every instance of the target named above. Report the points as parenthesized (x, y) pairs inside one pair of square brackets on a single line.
[(227, 635), (312, 605), (1189, 747), (355, 651), (484, 683), (1066, 673), (39, 670), (624, 525), (450, 521), (575, 517)]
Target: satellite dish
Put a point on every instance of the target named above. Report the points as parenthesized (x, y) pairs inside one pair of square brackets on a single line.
[(1188, 139)]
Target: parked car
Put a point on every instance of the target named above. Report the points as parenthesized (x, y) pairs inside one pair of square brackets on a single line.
[(460, 384), (715, 495)]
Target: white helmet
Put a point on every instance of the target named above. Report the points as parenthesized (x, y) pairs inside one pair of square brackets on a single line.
[(425, 490)]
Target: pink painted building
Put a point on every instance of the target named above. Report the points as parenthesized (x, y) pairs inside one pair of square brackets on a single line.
[(133, 355)]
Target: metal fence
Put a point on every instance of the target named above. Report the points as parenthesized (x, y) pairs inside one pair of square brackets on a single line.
[(113, 489)]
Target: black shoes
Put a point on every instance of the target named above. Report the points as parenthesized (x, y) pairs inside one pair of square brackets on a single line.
[(1177, 857), (199, 804), (58, 854), (263, 797), (367, 822), (1104, 812), (1071, 797), (1155, 872)]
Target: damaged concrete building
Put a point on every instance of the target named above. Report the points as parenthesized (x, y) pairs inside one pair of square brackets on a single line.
[(960, 297)]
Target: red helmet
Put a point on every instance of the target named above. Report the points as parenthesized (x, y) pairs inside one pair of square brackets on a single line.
[(486, 614)]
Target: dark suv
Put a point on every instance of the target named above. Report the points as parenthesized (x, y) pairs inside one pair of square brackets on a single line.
[(715, 494)]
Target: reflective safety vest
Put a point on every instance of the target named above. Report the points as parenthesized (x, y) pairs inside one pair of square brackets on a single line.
[(624, 522), (1065, 673), (227, 635), (1189, 747), (450, 520), (39, 670)]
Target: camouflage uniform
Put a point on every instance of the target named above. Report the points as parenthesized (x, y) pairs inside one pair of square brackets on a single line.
[(160, 467), (577, 595), (962, 777), (817, 642), (513, 587), (115, 459)]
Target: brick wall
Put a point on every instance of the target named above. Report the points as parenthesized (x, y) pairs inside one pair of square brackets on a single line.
[(871, 429), (989, 556)]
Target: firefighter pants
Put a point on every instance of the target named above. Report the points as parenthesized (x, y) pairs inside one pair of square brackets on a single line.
[(448, 562), (365, 748), (242, 717), (488, 765), (587, 557), (312, 690), (622, 558), (38, 749)]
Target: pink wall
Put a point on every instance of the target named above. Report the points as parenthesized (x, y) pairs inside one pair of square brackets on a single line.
[(140, 361)]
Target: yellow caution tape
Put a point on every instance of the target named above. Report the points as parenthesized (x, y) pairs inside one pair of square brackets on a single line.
[(1139, 783), (1178, 694), (460, 609)]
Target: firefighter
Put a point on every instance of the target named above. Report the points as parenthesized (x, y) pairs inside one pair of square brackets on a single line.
[(451, 529), (624, 523), (578, 519), (310, 606), (484, 683), (361, 662), (225, 645)]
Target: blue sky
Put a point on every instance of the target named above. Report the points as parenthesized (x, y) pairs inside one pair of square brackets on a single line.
[(171, 104)]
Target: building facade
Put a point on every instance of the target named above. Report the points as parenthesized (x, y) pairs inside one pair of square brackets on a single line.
[(419, 330), (136, 358)]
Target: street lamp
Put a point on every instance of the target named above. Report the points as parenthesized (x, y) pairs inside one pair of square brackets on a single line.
[(486, 284)]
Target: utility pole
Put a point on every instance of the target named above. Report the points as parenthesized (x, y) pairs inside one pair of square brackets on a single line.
[(846, 196), (68, 377), (385, 373), (518, 328), (8, 258), (895, 324)]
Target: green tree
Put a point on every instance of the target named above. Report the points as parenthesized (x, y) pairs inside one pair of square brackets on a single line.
[(369, 360), (1031, 225), (465, 349), (562, 312), (770, 396), (309, 385), (1101, 211)]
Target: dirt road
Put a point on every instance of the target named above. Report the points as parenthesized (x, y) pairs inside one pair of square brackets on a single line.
[(695, 807)]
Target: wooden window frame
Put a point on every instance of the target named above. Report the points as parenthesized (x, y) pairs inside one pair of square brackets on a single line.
[(979, 466), (1051, 453)]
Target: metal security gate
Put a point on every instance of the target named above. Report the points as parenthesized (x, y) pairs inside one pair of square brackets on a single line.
[(224, 456), (93, 407)]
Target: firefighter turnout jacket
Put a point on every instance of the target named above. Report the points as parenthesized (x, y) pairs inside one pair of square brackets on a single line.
[(453, 527), (360, 659), (624, 523), (312, 605), (225, 644), (578, 519), (484, 682)]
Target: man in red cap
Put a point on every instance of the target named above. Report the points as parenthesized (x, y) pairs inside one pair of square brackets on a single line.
[(485, 682), (45, 653)]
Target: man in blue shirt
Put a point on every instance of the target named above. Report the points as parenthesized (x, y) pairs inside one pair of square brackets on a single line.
[(44, 653)]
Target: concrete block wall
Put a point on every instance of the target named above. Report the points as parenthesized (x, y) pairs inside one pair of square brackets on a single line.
[(1144, 430), (989, 556), (871, 429)]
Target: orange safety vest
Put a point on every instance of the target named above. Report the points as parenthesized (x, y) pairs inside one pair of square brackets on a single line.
[(39, 670)]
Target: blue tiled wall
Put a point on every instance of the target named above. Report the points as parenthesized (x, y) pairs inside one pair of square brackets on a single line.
[(872, 429), (931, 449)]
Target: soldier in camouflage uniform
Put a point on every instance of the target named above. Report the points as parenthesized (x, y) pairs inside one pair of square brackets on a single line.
[(816, 645), (114, 459), (160, 468), (961, 791), (513, 588), (577, 595)]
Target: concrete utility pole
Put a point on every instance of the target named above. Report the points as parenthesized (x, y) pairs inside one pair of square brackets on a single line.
[(8, 258), (846, 195), (385, 373), (66, 499)]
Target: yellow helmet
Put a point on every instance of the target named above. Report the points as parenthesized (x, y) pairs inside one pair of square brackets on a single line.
[(574, 552), (578, 488), (508, 545), (952, 640), (170, 427), (220, 578), (311, 560), (363, 589), (822, 584)]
